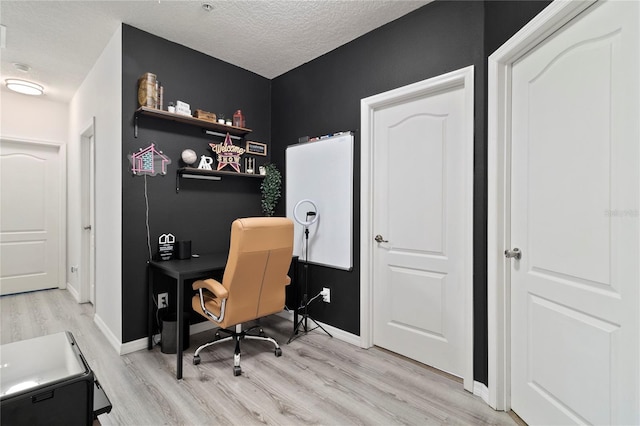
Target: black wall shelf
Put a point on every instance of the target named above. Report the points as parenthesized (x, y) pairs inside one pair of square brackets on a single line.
[(193, 173)]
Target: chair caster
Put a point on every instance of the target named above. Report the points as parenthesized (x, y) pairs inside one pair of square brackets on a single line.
[(261, 333), (237, 370), (278, 352), (196, 360)]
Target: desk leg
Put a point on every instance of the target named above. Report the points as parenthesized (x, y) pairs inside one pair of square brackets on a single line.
[(296, 295), (179, 320), (149, 307)]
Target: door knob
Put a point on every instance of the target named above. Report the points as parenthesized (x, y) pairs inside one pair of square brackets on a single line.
[(379, 239), (515, 253)]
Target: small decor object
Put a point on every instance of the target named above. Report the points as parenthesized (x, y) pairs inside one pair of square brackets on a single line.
[(149, 161), (147, 94), (183, 108), (166, 243), (228, 154), (205, 163), (228, 122), (221, 118), (271, 189), (250, 165), (263, 170), (204, 115), (189, 156), (238, 119), (171, 107), (256, 148)]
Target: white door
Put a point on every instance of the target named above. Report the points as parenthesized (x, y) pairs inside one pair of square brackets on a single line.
[(422, 208), (29, 217), (574, 215)]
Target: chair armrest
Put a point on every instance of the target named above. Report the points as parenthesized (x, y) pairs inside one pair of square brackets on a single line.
[(213, 286)]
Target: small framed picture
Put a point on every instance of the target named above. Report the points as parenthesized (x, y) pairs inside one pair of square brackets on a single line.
[(256, 148)]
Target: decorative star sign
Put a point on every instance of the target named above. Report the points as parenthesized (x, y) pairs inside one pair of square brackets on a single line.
[(228, 154)]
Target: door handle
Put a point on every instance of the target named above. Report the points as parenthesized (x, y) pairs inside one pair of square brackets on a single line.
[(86, 228), (515, 253), (379, 239)]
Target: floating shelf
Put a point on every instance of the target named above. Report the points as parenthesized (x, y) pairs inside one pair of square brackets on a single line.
[(193, 173), (187, 119)]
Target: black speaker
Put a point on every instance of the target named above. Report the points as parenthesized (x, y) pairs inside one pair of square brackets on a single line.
[(183, 250)]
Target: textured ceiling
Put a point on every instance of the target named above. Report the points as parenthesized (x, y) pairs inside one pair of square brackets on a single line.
[(61, 40)]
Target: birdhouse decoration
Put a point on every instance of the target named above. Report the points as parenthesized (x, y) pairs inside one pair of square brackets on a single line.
[(149, 161)]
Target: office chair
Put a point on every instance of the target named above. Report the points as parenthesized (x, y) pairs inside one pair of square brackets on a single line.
[(253, 284)]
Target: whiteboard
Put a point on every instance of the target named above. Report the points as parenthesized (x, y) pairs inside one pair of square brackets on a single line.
[(322, 172)]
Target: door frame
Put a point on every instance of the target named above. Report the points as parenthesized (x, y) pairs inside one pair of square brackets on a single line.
[(552, 18), (459, 78), (62, 218), (88, 255)]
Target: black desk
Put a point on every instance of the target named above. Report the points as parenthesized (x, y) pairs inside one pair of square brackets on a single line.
[(181, 270), (196, 267)]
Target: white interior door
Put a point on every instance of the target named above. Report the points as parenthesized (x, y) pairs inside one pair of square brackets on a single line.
[(30, 212), (422, 206), (574, 214)]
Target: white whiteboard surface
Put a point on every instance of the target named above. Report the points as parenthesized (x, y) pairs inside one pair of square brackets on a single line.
[(322, 172)]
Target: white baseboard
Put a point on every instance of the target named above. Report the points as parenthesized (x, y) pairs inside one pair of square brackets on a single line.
[(481, 390), (111, 338), (335, 332), (71, 289), (140, 344)]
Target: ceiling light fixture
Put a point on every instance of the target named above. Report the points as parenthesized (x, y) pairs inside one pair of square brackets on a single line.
[(24, 87)]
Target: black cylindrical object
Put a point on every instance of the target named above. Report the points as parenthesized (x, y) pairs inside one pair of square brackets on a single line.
[(183, 249), (168, 333)]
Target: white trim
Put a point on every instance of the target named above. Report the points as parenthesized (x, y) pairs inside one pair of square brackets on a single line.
[(500, 62), (338, 333), (71, 289), (481, 390), (462, 77), (85, 284), (106, 331), (62, 224)]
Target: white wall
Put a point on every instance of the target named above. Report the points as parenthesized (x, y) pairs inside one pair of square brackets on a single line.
[(100, 96), (34, 118)]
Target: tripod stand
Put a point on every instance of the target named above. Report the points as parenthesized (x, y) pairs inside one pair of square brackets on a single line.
[(304, 320)]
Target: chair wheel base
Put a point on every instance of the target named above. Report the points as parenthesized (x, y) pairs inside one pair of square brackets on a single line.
[(196, 360), (278, 352), (237, 370)]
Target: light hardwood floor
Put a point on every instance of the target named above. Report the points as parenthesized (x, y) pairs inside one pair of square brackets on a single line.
[(318, 380)]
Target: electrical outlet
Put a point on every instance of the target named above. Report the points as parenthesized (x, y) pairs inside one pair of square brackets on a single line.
[(163, 300), (326, 294)]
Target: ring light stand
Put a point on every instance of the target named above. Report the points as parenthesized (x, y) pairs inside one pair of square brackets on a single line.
[(305, 300)]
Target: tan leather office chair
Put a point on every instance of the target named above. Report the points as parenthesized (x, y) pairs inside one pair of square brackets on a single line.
[(253, 284)]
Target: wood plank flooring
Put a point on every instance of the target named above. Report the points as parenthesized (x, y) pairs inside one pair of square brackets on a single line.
[(317, 381)]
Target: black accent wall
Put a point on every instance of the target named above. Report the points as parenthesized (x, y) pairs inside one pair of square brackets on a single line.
[(324, 96), (316, 98), (203, 210)]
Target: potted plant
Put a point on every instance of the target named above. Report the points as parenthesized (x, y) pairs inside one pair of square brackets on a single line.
[(271, 189)]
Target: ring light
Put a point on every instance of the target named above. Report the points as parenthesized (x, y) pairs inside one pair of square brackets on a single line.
[(305, 222)]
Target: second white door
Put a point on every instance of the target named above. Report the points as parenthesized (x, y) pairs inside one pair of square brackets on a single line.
[(574, 214), (422, 208)]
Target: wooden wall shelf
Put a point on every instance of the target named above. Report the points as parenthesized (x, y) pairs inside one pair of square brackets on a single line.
[(186, 119)]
